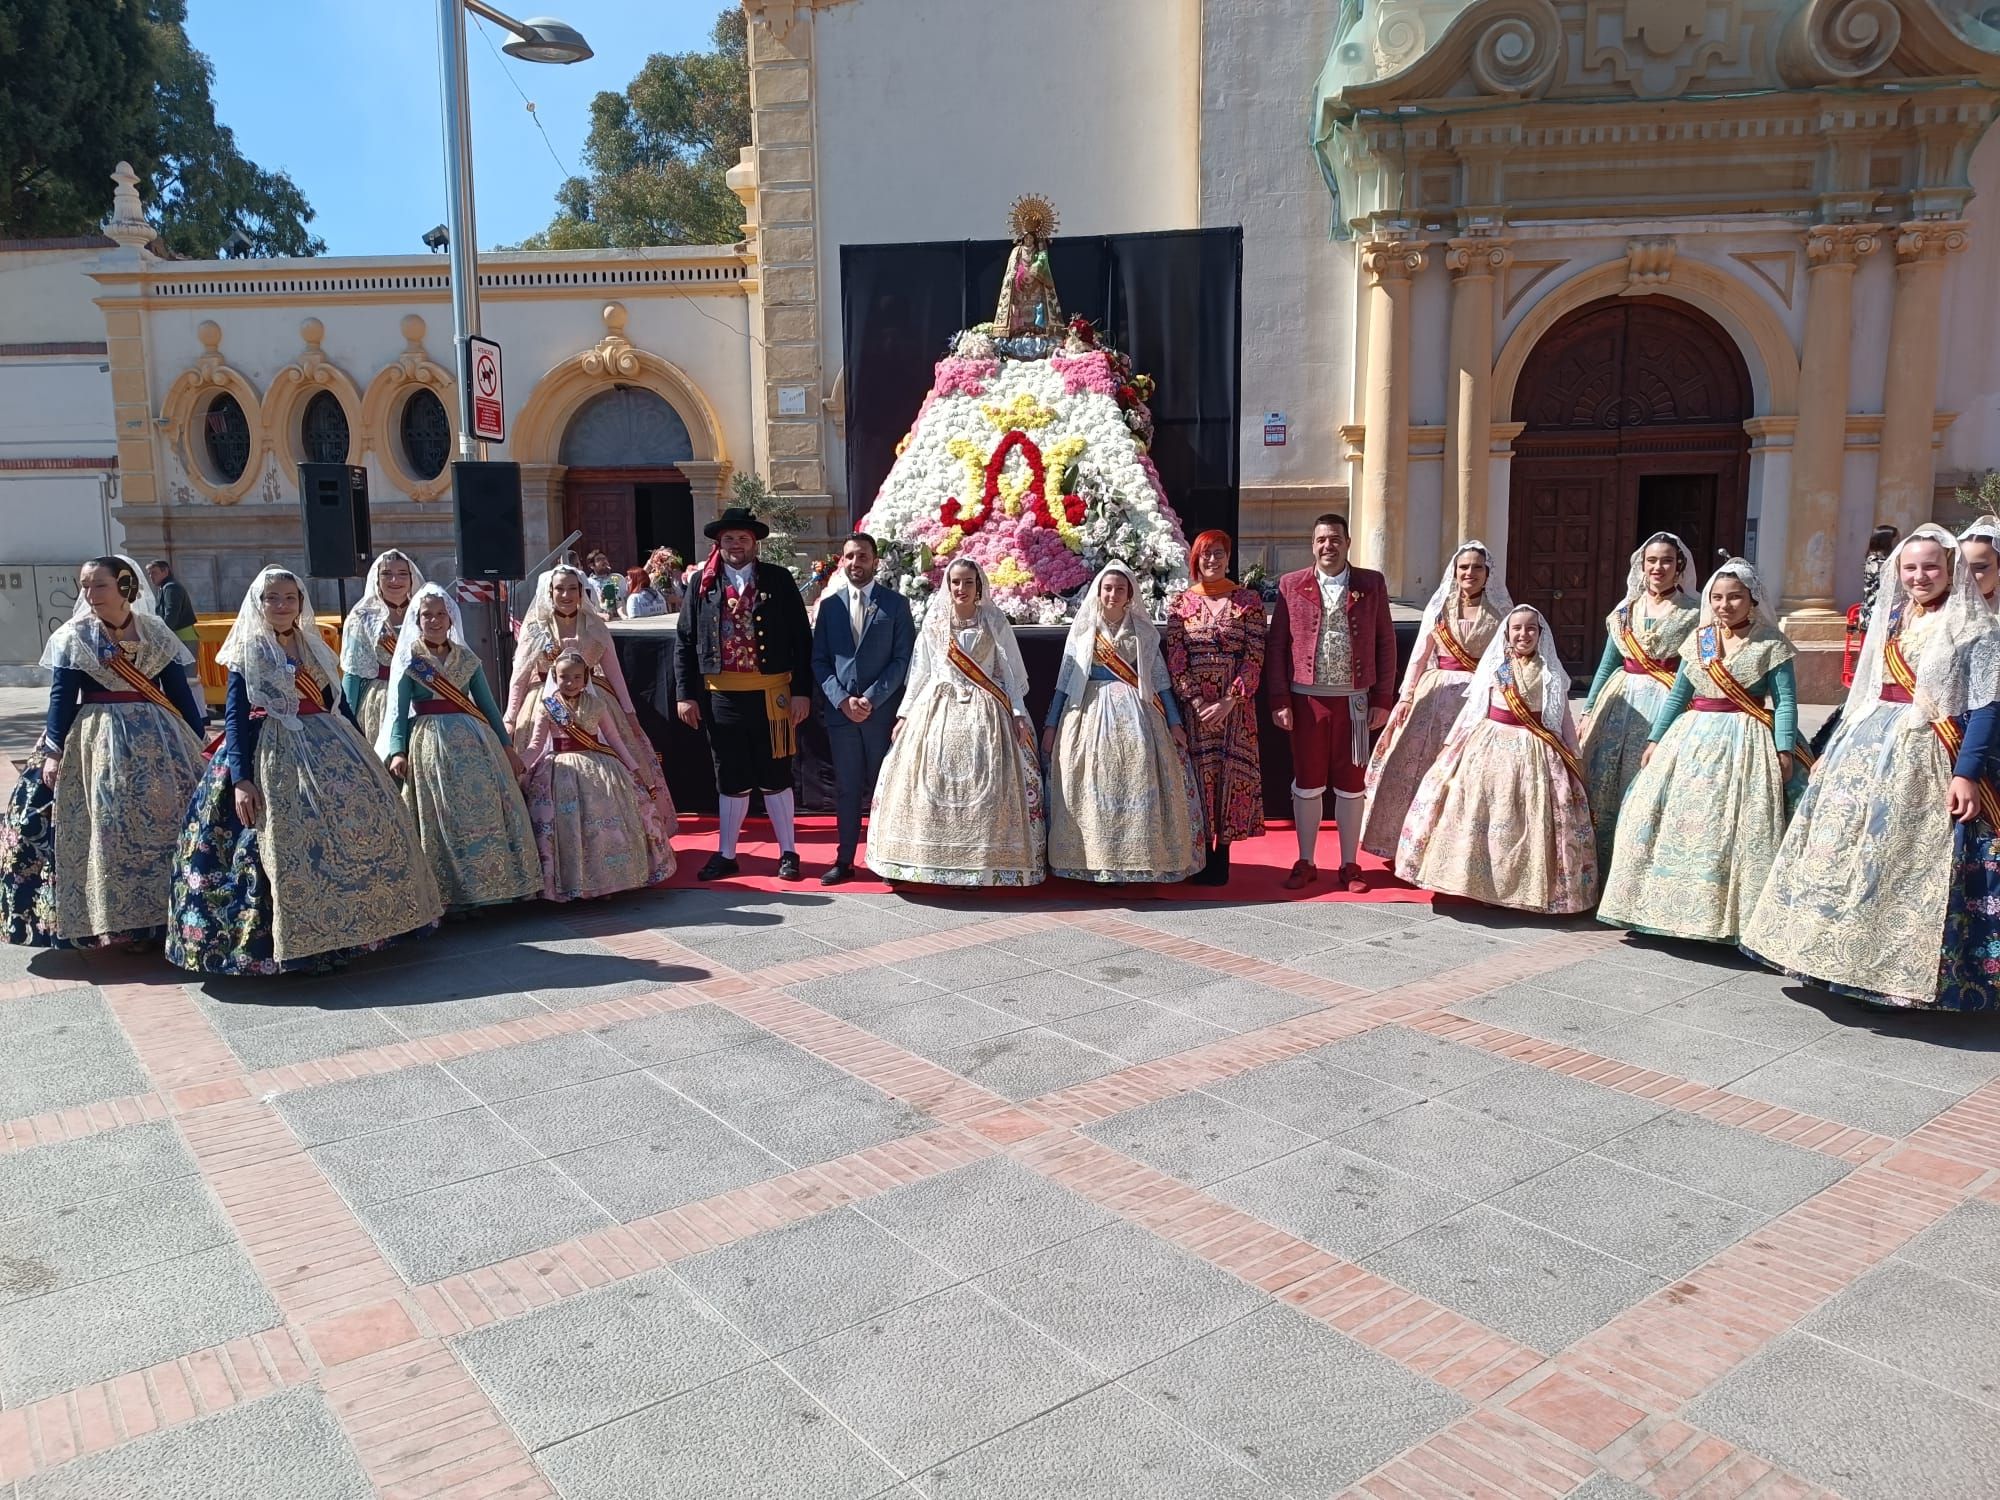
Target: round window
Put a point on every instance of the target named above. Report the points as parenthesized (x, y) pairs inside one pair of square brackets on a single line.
[(225, 437), (323, 430), (426, 434)]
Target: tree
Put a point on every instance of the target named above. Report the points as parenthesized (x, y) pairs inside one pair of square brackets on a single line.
[(659, 153), (83, 86)]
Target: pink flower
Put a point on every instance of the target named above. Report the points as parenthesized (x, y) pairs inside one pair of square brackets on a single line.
[(962, 377), (1084, 372)]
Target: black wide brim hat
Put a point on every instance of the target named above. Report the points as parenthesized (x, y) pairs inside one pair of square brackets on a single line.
[(736, 518)]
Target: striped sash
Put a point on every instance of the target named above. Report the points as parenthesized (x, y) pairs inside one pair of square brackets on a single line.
[(572, 726), (443, 687), (1448, 644), (1532, 722), (1709, 644), (1107, 657), (1948, 732), (1628, 643), (121, 665), (957, 657)]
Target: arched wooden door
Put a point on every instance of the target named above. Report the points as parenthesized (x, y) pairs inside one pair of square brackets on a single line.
[(622, 487), (1634, 410)]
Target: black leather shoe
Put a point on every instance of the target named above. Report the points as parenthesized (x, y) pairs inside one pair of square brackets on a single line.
[(716, 868), (788, 866), (837, 873)]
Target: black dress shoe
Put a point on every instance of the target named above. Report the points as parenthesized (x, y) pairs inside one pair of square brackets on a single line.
[(716, 868), (788, 866), (837, 872)]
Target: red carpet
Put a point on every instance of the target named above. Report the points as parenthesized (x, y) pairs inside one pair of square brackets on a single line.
[(1257, 869)]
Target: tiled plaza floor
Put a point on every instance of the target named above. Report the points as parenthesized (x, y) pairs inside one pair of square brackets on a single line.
[(811, 1196)]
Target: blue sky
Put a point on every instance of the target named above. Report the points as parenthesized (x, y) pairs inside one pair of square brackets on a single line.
[(343, 94)]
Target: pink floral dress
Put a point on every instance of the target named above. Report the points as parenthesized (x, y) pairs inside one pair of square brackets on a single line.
[(1214, 649)]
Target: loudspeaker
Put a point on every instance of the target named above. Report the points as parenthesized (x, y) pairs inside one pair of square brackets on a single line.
[(334, 500), (487, 497)]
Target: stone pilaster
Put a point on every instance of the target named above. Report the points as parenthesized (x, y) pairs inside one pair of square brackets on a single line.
[(1468, 420), (1388, 265), (1903, 478)]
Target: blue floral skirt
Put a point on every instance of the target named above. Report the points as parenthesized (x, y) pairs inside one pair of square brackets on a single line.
[(1969, 967), (28, 872), (220, 920)]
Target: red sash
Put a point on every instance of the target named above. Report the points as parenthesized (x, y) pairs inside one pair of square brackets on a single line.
[(1708, 646), (1108, 658), (1532, 722), (1449, 645), (570, 728), (1948, 732), (444, 688), (957, 657), (138, 681), (1636, 654)]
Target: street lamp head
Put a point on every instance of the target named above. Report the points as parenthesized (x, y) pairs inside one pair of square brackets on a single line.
[(545, 39), (437, 238)]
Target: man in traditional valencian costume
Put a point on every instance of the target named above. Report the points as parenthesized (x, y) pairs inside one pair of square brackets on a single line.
[(1330, 678), (744, 652)]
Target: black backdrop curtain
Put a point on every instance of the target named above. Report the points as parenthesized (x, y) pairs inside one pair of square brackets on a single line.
[(1173, 301)]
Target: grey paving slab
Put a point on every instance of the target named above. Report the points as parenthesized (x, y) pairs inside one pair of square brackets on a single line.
[(793, 1285), (1313, 1093), (1863, 1430), (141, 1226), (1121, 1297), (1304, 1405), (38, 1029), (1139, 1031), (436, 1018), (1239, 931), (63, 1049), (285, 1446), (1537, 1012), (1647, 1220), (1724, 1162), (588, 1113), (970, 967), (326, 1035), (754, 1435), (1940, 1052), (940, 1375), (667, 1038), (1341, 1201), (1349, 921), (865, 992), (1048, 995), (1453, 942), (592, 1359), (234, 1006), (465, 1225), (688, 1156), (1751, 1012), (335, 1111), (1365, 966), (1410, 1060), (1606, 1487), (740, 1078), (1704, 1056), (1198, 1137), (1965, 1243), (1666, 958), (532, 1067), (1834, 1091), (1545, 1103), (1061, 946), (1471, 1156), (1023, 1064), (45, 1178), (828, 1120), (938, 1022), (974, 1218), (420, 1156), (1107, 1445), (1515, 1277), (1620, 986), (1241, 1004), (136, 1318), (748, 949), (1145, 975), (1926, 1324)]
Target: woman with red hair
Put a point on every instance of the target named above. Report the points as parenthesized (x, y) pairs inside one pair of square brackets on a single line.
[(1214, 645)]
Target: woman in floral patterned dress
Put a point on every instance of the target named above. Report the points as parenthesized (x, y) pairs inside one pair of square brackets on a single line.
[(1642, 651), (563, 617), (1214, 645), (1702, 820), (1502, 816), (368, 638), (959, 798), (297, 852), (444, 739), (87, 844), (1461, 618), (1873, 882), (1123, 804)]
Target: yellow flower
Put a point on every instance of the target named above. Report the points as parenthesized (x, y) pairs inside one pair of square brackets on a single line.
[(973, 457), (1058, 457), (1072, 535), (1024, 412), (948, 543), (904, 441), (1008, 573)]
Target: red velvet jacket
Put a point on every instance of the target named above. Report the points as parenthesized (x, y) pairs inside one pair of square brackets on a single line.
[(1293, 640)]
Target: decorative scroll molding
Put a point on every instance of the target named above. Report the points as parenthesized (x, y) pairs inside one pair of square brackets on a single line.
[(1480, 256), (1391, 260), (1839, 246), (614, 359), (186, 401), (1927, 241), (292, 387), (1838, 41), (1649, 264), (382, 407)]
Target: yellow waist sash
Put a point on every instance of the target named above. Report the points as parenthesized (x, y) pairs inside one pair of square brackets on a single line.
[(777, 690)]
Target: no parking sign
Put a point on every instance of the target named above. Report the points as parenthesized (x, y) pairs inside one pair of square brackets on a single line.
[(489, 402)]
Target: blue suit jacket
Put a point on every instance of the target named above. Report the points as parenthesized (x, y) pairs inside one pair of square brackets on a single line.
[(872, 668)]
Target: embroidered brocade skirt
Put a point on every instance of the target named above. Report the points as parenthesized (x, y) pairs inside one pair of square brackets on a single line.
[(370, 711), (1409, 744), (1500, 819), (959, 800), (333, 868), (590, 830), (1969, 972), (1613, 741), (470, 815), (1123, 804), (93, 863)]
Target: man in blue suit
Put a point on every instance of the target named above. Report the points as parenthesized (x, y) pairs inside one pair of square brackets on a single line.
[(862, 643)]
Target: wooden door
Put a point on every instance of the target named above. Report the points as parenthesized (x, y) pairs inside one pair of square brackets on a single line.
[(603, 511), (1556, 550)]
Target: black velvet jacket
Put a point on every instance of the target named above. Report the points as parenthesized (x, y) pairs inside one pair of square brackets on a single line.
[(784, 635)]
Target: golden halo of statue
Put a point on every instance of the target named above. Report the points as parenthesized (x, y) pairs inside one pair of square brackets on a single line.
[(1032, 217)]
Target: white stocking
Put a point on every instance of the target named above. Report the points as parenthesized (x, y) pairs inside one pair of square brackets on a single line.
[(778, 808), (734, 810), (1347, 810), (1307, 808)]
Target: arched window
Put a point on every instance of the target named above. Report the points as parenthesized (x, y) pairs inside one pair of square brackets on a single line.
[(323, 430), (426, 434), (626, 427), (225, 437)]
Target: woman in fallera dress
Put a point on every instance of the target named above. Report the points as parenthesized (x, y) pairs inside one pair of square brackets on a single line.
[(368, 638), (1502, 816), (1123, 804), (1214, 649), (87, 845), (1702, 821), (586, 791), (1868, 887), (1642, 651), (1979, 548), (1460, 620), (444, 740), (564, 616), (297, 851), (959, 799)]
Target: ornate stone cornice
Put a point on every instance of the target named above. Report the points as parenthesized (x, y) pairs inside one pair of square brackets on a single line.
[(1928, 242), (1839, 246), (1480, 256), (1649, 263), (1391, 260), (613, 356)]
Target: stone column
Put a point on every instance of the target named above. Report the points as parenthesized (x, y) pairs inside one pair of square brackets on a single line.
[(1820, 446), (1388, 265), (1468, 419), (708, 487), (1904, 473)]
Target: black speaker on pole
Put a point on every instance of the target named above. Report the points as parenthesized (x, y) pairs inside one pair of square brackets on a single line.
[(487, 497), (334, 502)]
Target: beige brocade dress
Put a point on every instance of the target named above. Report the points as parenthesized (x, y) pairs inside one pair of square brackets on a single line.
[(1411, 740)]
